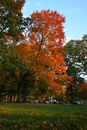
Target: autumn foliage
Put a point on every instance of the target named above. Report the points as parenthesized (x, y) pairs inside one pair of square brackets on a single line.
[(43, 47), (41, 52)]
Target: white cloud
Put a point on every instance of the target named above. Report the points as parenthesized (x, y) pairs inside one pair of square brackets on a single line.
[(76, 10), (25, 9), (68, 11), (68, 39), (39, 2), (64, 29)]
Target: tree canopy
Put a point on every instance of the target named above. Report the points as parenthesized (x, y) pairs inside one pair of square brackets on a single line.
[(76, 60), (10, 17), (39, 53)]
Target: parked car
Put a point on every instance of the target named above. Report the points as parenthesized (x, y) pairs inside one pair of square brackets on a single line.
[(39, 101), (36, 101), (65, 102), (46, 102), (53, 102), (60, 102), (77, 103), (28, 100)]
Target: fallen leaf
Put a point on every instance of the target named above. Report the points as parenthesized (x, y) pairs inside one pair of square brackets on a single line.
[(51, 125), (60, 124), (15, 126), (46, 127), (37, 126), (63, 113), (44, 122), (31, 112), (75, 125), (3, 122), (68, 125), (46, 115), (77, 112), (21, 124), (57, 124), (1, 126)]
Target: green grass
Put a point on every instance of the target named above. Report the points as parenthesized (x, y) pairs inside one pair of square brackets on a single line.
[(43, 117)]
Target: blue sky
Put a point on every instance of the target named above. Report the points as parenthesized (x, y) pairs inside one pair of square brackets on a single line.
[(75, 12)]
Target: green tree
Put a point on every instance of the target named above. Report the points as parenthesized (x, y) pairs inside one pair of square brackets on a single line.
[(2, 90), (12, 25), (42, 86), (10, 17), (76, 50), (83, 91), (28, 87), (76, 60)]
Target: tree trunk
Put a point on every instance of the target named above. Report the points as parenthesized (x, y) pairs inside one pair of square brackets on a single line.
[(25, 93), (71, 94), (19, 93), (10, 97)]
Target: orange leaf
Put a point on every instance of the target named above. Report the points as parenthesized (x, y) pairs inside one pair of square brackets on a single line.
[(3, 122), (77, 112), (51, 125), (15, 126), (21, 124), (44, 122), (1, 126), (31, 112), (37, 126), (46, 115)]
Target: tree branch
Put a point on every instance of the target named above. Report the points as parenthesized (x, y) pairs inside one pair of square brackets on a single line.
[(41, 42)]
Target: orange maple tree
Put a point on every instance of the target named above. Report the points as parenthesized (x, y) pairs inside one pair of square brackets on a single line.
[(40, 52), (42, 48)]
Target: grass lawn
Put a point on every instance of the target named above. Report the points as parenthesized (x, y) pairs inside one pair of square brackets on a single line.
[(42, 117)]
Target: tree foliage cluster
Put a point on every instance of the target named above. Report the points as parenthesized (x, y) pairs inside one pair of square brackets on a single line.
[(32, 54), (76, 60)]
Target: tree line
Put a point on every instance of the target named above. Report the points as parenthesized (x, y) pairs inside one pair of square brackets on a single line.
[(33, 57)]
